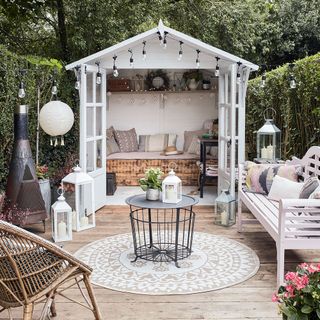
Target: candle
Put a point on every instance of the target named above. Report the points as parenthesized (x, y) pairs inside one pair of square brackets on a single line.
[(84, 221), (224, 218), (270, 152), (62, 230), (264, 153), (170, 194)]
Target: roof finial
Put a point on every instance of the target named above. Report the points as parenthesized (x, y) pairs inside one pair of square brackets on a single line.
[(161, 28)]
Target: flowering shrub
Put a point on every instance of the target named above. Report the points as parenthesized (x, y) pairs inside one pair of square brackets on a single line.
[(12, 214), (42, 172), (299, 297), (152, 179)]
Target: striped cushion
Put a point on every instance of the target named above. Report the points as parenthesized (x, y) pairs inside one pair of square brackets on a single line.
[(310, 185)]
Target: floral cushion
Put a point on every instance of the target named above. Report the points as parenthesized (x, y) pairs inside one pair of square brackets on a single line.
[(260, 176), (127, 140)]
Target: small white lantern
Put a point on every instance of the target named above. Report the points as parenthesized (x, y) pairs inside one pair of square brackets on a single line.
[(79, 188), (61, 217), (225, 208), (56, 118), (171, 188), (269, 140)]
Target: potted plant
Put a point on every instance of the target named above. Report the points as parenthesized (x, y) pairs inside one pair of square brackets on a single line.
[(44, 183), (152, 183), (299, 297), (192, 79)]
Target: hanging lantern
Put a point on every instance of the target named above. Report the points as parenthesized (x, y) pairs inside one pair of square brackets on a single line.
[(171, 188), (268, 140), (225, 208), (61, 217), (79, 192), (56, 118)]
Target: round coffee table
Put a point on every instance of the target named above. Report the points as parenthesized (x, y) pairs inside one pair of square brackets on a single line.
[(162, 232)]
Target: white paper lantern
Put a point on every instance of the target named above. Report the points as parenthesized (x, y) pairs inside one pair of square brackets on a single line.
[(56, 118)]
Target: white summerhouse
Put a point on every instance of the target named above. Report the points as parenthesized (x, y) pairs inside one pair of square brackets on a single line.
[(94, 101)]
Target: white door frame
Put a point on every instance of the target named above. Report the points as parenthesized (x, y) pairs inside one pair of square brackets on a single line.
[(89, 161)]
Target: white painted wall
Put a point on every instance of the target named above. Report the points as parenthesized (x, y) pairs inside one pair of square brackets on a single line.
[(155, 112)]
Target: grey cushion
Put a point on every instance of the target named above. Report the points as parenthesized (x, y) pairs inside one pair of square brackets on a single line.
[(310, 185), (127, 140)]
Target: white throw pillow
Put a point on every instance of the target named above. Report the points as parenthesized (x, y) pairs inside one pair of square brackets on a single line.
[(283, 188)]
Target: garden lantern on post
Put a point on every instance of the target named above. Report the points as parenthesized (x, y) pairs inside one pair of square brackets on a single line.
[(225, 209), (171, 188), (61, 217), (79, 188), (269, 140)]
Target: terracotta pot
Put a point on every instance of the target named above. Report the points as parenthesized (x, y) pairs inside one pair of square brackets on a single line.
[(153, 194)]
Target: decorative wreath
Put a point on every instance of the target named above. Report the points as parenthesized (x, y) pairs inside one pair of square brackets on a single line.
[(157, 73)]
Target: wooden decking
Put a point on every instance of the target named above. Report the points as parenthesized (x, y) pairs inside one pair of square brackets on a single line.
[(248, 300)]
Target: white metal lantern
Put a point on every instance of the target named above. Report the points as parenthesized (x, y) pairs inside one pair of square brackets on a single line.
[(79, 193), (225, 208), (171, 188), (56, 118), (269, 140), (61, 218)]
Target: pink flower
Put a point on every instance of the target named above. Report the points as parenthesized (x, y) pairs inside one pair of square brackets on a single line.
[(275, 298), (290, 288), (290, 276), (301, 282), (313, 268), (303, 265)]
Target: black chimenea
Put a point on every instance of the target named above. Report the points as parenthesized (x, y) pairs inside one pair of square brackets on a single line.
[(23, 190)]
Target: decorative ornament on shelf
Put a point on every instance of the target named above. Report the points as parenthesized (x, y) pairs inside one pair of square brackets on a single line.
[(225, 209), (61, 214), (171, 188), (56, 117), (151, 183), (269, 140), (81, 198), (192, 79), (157, 80)]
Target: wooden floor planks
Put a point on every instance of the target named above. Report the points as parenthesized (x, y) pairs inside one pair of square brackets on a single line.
[(248, 300)]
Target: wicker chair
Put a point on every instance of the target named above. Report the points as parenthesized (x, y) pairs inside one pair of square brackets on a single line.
[(32, 270)]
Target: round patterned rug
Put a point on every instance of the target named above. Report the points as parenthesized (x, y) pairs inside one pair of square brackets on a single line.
[(216, 262)]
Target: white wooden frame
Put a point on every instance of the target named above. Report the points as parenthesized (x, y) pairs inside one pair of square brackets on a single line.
[(98, 174), (294, 224)]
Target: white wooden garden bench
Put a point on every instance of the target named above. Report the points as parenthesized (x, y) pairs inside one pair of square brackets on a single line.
[(292, 223)]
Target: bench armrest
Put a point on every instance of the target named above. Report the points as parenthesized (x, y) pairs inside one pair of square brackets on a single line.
[(286, 204)]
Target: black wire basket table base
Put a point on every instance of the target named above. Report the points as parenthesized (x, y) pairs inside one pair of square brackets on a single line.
[(162, 232)]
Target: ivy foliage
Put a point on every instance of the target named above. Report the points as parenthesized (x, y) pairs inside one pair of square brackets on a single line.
[(297, 110), (39, 74)]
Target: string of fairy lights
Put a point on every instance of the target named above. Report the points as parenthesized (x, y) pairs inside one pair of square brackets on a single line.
[(163, 40)]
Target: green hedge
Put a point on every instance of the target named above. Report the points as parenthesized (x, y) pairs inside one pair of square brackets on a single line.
[(39, 70), (298, 110)]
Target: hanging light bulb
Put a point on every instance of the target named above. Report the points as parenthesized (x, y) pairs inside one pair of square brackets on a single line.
[(115, 69), (238, 81), (99, 75), (160, 38), (263, 79), (21, 92), (51, 141), (131, 58), (217, 71), (144, 53), (165, 40), (292, 80), (77, 83), (54, 89), (180, 51), (62, 141), (198, 59)]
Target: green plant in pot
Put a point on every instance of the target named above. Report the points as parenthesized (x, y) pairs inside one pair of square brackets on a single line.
[(192, 79), (152, 183)]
